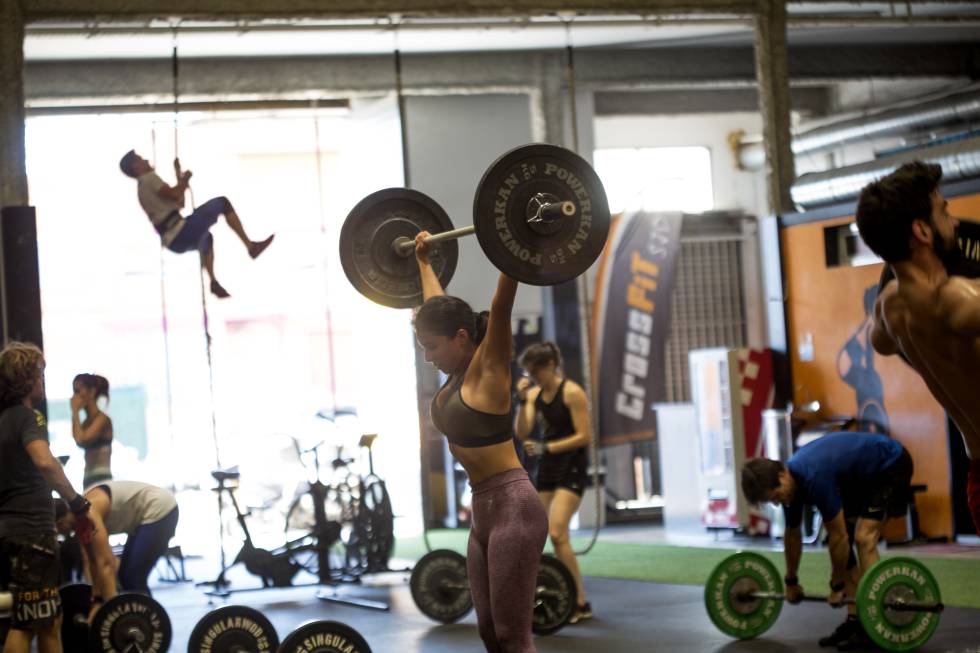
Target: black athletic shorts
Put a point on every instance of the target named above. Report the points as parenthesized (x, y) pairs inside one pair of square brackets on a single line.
[(29, 571), (569, 470), (886, 495)]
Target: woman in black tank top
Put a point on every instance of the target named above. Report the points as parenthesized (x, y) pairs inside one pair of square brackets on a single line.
[(473, 410), (94, 433), (560, 410)]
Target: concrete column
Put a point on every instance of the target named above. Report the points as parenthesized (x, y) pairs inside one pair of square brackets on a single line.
[(13, 170), (548, 102), (772, 74)]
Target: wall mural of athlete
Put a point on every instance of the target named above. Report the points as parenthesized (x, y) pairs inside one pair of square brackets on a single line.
[(856, 367)]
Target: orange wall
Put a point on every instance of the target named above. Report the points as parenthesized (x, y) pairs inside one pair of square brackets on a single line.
[(828, 303)]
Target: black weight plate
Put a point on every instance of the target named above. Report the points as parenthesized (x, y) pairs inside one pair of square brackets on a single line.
[(324, 637), (130, 622), (500, 214), (440, 587), (76, 600), (555, 596), (369, 261), (233, 629)]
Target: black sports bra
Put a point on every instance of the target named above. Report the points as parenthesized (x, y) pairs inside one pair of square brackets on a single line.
[(465, 426), (104, 441)]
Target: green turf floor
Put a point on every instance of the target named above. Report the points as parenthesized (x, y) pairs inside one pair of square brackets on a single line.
[(959, 579)]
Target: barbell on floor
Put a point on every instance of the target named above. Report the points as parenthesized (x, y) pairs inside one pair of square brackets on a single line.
[(540, 214), (441, 590), (898, 600), (126, 623), (130, 623)]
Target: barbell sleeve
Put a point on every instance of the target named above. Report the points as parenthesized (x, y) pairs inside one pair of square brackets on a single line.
[(548, 212), (898, 606), (552, 211), (405, 246)]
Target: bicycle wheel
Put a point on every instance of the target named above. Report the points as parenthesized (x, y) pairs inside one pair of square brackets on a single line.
[(372, 538), (300, 515)]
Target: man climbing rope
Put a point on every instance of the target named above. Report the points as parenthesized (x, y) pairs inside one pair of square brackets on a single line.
[(162, 204)]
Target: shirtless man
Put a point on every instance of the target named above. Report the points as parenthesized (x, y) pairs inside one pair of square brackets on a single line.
[(930, 318)]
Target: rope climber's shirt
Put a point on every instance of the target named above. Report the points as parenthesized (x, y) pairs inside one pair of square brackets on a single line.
[(25, 497), (163, 213)]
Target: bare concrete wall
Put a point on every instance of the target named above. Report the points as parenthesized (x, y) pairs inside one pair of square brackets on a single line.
[(452, 141)]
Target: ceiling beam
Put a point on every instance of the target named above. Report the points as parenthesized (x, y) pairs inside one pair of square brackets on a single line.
[(598, 70), (123, 10), (809, 100), (109, 10)]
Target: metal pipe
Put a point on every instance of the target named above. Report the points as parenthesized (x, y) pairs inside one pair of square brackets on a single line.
[(810, 21), (957, 107), (960, 160), (165, 107)]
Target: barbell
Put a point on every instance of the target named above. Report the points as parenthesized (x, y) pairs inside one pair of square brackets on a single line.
[(540, 215), (898, 600), (441, 590), (130, 623)]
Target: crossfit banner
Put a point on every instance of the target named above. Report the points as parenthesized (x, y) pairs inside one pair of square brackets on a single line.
[(631, 319)]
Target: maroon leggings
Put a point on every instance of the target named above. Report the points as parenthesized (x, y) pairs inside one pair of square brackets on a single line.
[(509, 530), (973, 492)]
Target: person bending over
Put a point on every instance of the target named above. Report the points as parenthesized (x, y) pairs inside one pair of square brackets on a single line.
[(162, 204), (28, 472), (857, 481), (473, 411), (93, 434), (561, 410), (926, 315), (147, 515)]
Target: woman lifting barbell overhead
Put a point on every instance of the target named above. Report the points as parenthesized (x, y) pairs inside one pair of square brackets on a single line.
[(561, 409), (473, 410)]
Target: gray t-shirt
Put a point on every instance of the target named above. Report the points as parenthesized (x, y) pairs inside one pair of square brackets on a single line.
[(158, 208), (135, 504), (25, 496)]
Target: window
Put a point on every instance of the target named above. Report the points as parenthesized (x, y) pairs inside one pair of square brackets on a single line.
[(656, 178), (102, 293), (843, 247)]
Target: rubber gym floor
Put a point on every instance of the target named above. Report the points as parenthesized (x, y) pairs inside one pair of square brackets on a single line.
[(631, 615)]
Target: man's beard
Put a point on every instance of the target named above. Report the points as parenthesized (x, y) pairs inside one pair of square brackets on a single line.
[(949, 252)]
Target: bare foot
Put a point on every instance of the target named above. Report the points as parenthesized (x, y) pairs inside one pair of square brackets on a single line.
[(218, 290), (257, 247)]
